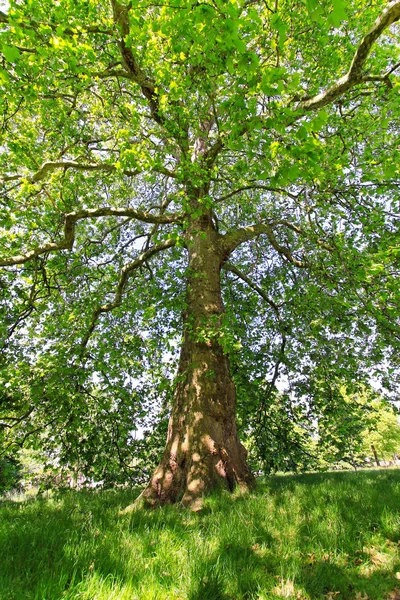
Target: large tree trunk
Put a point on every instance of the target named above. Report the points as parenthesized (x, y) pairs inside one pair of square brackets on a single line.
[(203, 450)]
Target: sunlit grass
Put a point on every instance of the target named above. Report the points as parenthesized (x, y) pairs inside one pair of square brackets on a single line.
[(330, 536)]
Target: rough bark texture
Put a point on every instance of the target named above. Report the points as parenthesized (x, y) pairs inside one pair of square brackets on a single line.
[(203, 450)]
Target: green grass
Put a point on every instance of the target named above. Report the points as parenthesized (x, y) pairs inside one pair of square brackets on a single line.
[(331, 536)]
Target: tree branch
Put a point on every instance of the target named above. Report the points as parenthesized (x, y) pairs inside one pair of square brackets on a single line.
[(275, 376), (231, 240), (265, 188), (230, 267), (275, 308), (212, 153), (51, 166), (126, 272), (354, 75), (70, 32), (113, 73), (69, 230), (146, 84), (16, 420), (20, 443)]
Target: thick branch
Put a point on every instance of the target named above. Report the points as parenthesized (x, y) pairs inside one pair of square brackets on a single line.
[(51, 166), (69, 230), (354, 75), (213, 152), (265, 188), (126, 272), (113, 73), (231, 240), (146, 84)]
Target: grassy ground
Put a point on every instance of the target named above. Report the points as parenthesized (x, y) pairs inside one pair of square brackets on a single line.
[(334, 536)]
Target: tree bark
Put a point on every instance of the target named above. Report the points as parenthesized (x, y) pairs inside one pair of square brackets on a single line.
[(203, 450), (378, 464)]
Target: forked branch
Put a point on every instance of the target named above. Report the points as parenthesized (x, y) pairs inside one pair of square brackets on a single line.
[(146, 84), (231, 240), (126, 273), (70, 224), (355, 74)]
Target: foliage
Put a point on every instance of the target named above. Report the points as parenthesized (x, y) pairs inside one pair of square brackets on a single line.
[(384, 433), (336, 428), (124, 126), (10, 473), (354, 426), (277, 429), (304, 537), (345, 420)]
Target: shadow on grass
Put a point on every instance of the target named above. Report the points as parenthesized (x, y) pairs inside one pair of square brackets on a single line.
[(244, 570), (348, 518), (55, 544), (50, 548), (346, 583)]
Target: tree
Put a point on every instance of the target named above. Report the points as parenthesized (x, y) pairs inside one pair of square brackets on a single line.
[(150, 147), (344, 422), (383, 437), (353, 427)]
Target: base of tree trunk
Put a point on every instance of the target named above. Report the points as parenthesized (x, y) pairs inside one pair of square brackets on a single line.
[(203, 450), (213, 463), (187, 483)]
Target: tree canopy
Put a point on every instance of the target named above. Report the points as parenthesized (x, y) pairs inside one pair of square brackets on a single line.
[(220, 177)]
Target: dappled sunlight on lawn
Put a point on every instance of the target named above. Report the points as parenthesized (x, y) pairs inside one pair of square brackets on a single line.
[(332, 535)]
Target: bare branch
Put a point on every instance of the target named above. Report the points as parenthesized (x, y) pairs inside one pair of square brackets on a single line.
[(354, 75), (126, 272), (69, 230)]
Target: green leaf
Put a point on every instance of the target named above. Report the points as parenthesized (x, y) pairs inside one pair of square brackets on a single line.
[(4, 78), (338, 13), (311, 6), (11, 53)]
